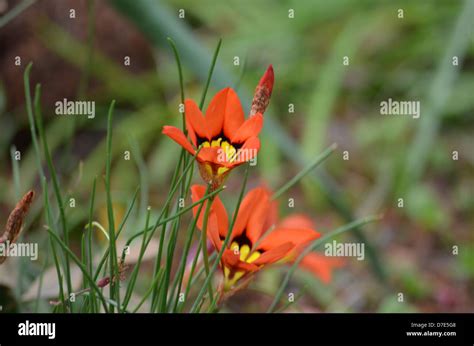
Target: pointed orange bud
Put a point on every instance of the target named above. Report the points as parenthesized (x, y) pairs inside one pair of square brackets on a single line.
[(263, 92)]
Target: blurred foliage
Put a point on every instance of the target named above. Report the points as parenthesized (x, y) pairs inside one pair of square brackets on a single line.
[(389, 57)]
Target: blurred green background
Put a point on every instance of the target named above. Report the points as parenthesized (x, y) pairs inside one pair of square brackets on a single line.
[(317, 100)]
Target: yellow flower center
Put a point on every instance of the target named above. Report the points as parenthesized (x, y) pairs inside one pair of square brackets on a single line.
[(245, 255), (228, 149)]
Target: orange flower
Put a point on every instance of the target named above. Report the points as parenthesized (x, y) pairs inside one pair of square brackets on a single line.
[(226, 139), (319, 265), (256, 239)]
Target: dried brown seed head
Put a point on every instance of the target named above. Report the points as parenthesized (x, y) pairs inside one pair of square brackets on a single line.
[(15, 220), (263, 92)]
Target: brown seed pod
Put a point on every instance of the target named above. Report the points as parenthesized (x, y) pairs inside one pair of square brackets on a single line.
[(15, 221), (263, 92)]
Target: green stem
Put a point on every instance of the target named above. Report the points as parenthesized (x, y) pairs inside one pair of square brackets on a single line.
[(209, 76), (54, 178), (174, 186), (89, 247), (15, 11), (49, 222), (134, 275), (313, 164), (178, 63), (181, 212), (179, 277), (81, 266), (114, 271), (150, 289), (204, 241), (107, 251)]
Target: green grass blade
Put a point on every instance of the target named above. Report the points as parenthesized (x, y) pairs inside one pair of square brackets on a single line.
[(209, 77), (56, 187), (114, 270), (313, 164)]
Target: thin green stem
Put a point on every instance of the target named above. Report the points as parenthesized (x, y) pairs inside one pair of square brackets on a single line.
[(16, 173), (169, 262), (31, 120), (181, 212), (114, 270), (49, 221), (204, 242), (191, 275), (41, 277), (150, 289), (106, 254), (133, 277), (180, 69), (87, 67), (174, 186), (90, 259), (179, 277), (81, 266), (56, 188), (313, 164), (15, 11), (209, 77)]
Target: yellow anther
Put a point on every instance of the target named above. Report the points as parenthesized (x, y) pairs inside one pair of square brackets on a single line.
[(229, 151), (253, 257), (216, 142), (244, 252), (235, 247), (222, 170), (205, 144)]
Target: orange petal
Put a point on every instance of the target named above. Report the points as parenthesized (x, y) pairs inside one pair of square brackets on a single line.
[(234, 116), (209, 155), (213, 231), (195, 121), (321, 266), (248, 151), (217, 209), (197, 192), (272, 216), (275, 254), (246, 209), (298, 236), (250, 128), (178, 136), (222, 218), (232, 260), (258, 216), (297, 221), (222, 103)]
